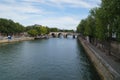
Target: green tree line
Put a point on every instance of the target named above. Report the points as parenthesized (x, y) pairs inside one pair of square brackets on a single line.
[(9, 27), (42, 30), (35, 30), (103, 23)]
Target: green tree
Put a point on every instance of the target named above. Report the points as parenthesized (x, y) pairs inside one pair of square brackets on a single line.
[(33, 32), (10, 27), (103, 22), (43, 30), (90, 26), (81, 27), (54, 30), (101, 25)]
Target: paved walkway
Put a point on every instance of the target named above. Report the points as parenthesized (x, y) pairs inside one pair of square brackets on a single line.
[(4, 40), (111, 62)]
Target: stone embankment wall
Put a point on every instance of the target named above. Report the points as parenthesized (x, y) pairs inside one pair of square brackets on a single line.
[(105, 71), (16, 39)]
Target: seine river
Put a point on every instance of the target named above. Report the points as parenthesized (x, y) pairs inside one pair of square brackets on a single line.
[(47, 59)]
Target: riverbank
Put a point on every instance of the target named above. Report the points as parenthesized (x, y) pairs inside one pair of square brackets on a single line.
[(16, 39), (106, 65)]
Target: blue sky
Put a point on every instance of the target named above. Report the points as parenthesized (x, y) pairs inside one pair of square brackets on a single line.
[(63, 14)]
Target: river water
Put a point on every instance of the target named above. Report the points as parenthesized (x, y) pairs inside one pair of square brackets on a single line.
[(50, 59)]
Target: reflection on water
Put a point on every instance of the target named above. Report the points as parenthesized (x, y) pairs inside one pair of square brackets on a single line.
[(51, 59)]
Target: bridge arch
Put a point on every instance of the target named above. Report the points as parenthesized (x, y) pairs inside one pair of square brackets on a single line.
[(63, 34), (59, 35), (53, 35)]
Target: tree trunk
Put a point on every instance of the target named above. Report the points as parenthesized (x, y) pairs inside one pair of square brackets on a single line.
[(109, 46)]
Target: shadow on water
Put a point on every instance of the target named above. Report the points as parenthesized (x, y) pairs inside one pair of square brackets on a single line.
[(88, 65)]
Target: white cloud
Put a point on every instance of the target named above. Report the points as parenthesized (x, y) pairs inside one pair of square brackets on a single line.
[(73, 3), (17, 11), (25, 12), (19, 7), (68, 3), (61, 22), (77, 3), (65, 22)]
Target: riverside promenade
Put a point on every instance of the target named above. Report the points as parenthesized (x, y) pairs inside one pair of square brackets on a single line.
[(107, 66), (6, 40)]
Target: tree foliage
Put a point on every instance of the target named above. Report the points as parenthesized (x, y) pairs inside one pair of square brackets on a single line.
[(54, 29), (33, 32), (103, 22), (37, 30), (81, 26), (10, 27)]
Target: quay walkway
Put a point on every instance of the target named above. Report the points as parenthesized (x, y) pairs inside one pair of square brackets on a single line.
[(6, 40), (110, 60), (110, 63)]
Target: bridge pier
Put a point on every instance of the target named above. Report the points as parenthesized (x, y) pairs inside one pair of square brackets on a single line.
[(73, 36), (65, 35), (59, 35)]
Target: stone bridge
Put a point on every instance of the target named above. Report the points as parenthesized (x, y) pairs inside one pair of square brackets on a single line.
[(64, 34)]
